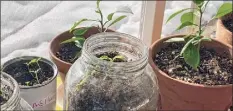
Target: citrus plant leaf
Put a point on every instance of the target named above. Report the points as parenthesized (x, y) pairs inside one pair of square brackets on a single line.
[(199, 3), (176, 13), (188, 17), (110, 16), (98, 3), (73, 39), (124, 9), (224, 9), (118, 57), (105, 58), (81, 31), (192, 56), (175, 40), (185, 24), (77, 23), (117, 20)]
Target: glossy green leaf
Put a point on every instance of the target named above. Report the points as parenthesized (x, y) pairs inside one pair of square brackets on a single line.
[(199, 3), (124, 9), (185, 46), (117, 20), (192, 56), (105, 58), (176, 13), (185, 24), (110, 16), (80, 43), (118, 57), (175, 40), (81, 31), (73, 39), (224, 9), (188, 17), (98, 3), (77, 23)]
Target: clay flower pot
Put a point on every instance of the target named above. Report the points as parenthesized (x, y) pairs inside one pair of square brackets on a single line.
[(179, 95), (63, 66), (222, 33)]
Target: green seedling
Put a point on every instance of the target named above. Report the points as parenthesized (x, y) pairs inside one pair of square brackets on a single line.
[(190, 51), (34, 72), (27, 83), (78, 37)]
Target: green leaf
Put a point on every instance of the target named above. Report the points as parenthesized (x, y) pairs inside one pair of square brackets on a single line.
[(98, 3), (117, 20), (188, 17), (110, 16), (76, 24), (74, 39), (105, 58), (33, 61), (124, 9), (118, 57), (192, 56), (80, 43), (81, 31), (176, 13), (199, 3), (175, 40), (185, 46), (224, 9), (185, 24)]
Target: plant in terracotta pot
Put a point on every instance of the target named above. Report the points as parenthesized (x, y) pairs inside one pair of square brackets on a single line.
[(35, 76), (225, 24), (66, 48), (194, 72)]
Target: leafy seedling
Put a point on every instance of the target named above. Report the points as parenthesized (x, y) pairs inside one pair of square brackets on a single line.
[(33, 72), (190, 51), (78, 37)]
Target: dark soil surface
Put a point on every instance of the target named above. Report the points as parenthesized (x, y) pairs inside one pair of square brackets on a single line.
[(67, 52), (112, 55), (214, 69), (228, 24), (6, 93), (20, 72), (106, 97)]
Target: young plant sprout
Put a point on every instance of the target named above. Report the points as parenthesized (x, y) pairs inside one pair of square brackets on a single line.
[(190, 51), (33, 72), (79, 39)]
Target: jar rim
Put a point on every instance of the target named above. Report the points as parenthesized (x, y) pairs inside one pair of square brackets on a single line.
[(15, 95), (141, 60)]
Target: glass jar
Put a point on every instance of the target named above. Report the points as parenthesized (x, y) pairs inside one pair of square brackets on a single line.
[(10, 88), (95, 84)]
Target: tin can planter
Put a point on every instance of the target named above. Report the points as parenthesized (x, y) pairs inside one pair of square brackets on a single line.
[(36, 78), (181, 92), (10, 95), (224, 29), (69, 50)]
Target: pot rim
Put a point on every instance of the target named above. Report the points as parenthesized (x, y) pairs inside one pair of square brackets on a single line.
[(219, 21), (177, 80), (52, 42), (54, 67)]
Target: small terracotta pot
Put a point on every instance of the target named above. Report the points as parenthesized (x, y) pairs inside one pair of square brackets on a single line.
[(179, 95), (63, 66), (222, 33)]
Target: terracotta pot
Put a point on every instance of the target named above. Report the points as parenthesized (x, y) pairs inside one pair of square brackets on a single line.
[(63, 66), (180, 95), (222, 33)]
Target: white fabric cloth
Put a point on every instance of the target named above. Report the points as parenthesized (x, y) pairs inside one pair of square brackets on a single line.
[(27, 27)]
